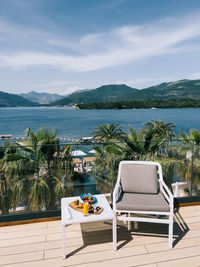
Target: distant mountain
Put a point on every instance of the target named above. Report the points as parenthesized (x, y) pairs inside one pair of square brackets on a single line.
[(177, 89), (42, 98), (114, 93), (11, 100), (106, 93)]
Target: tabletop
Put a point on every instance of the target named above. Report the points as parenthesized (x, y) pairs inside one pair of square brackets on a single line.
[(70, 216)]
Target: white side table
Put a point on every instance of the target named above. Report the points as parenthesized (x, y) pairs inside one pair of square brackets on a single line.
[(70, 216)]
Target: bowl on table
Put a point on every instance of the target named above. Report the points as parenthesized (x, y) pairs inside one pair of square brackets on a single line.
[(87, 197)]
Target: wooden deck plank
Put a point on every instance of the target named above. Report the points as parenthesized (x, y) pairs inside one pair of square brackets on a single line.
[(191, 262), (22, 227), (23, 240), (40, 263), (91, 238), (39, 244), (78, 259), (140, 260), (163, 246), (28, 257)]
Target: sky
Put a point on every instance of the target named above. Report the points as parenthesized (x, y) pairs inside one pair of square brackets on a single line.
[(68, 45)]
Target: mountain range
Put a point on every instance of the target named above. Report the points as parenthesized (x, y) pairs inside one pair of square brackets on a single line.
[(11, 100), (113, 93), (107, 93), (41, 98)]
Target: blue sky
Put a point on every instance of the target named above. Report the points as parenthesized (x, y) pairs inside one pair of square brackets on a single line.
[(67, 45)]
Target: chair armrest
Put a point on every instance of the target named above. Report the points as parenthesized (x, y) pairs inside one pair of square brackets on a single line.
[(116, 194), (166, 188), (167, 193)]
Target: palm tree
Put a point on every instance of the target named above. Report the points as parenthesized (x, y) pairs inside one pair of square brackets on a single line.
[(15, 170), (137, 145), (192, 138), (54, 167), (161, 128), (143, 144), (5, 194), (108, 132), (105, 169), (191, 169), (37, 170)]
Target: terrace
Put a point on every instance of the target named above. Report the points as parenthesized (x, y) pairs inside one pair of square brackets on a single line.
[(39, 244)]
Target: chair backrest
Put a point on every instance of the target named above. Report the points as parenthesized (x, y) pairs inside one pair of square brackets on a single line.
[(139, 178)]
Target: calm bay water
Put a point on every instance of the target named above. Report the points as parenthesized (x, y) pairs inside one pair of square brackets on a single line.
[(72, 123)]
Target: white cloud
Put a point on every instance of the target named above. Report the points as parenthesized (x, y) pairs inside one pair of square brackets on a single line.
[(106, 49), (73, 89), (62, 87), (194, 76), (141, 83), (59, 83)]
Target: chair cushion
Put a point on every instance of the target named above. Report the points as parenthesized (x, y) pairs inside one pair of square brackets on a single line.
[(142, 202), (136, 178)]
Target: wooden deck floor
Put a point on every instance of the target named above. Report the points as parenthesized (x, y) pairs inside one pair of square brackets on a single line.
[(90, 245)]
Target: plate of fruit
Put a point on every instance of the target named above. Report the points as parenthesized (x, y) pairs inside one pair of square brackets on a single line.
[(88, 198)]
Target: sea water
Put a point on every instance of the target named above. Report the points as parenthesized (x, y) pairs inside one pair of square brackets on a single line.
[(73, 123)]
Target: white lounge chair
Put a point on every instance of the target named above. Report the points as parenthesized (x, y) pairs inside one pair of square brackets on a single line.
[(137, 192)]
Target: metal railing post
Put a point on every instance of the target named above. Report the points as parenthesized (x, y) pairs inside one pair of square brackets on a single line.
[(192, 168)]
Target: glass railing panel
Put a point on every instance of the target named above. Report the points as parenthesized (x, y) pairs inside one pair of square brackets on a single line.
[(195, 187), (177, 166), (35, 178)]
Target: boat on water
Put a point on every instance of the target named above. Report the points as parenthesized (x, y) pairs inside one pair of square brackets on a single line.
[(5, 136)]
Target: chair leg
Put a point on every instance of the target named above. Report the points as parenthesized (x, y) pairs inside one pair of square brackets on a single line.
[(136, 226), (171, 231), (129, 222), (115, 233)]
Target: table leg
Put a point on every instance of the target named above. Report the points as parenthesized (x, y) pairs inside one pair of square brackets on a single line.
[(115, 234), (63, 241)]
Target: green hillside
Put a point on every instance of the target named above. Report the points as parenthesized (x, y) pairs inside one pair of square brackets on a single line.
[(11, 100), (114, 93), (106, 93), (178, 89)]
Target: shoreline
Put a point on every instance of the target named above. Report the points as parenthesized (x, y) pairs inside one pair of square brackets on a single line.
[(81, 108)]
